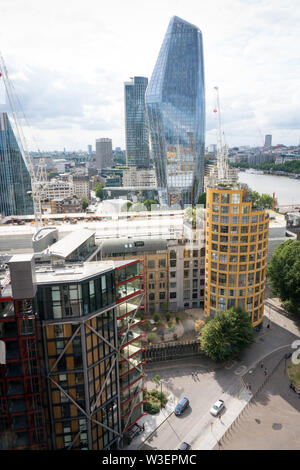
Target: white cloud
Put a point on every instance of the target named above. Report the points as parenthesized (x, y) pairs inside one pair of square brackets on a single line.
[(68, 61)]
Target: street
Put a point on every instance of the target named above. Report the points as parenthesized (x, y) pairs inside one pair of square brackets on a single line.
[(213, 382)]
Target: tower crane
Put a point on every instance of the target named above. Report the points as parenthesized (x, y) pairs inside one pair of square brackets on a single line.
[(37, 175), (222, 148)]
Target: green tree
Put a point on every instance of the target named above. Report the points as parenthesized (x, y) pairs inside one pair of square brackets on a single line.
[(202, 199), (151, 337), (126, 206), (84, 203), (99, 190), (156, 379), (226, 334), (262, 200), (284, 274), (149, 202)]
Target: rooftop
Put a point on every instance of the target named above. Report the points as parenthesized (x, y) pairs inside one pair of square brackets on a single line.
[(76, 273), (67, 245)]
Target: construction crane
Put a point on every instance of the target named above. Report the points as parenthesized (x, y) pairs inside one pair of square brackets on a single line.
[(38, 174), (222, 148)]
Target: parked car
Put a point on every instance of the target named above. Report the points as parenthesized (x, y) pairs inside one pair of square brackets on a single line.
[(184, 446), (182, 405), (217, 407)]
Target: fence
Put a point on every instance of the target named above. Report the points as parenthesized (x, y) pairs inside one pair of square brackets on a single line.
[(172, 350)]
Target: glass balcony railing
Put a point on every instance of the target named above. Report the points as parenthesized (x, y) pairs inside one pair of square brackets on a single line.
[(128, 289)]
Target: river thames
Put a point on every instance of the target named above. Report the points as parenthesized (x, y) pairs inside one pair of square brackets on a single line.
[(287, 190)]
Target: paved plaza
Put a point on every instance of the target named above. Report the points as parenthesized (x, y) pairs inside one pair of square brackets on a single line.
[(271, 421)]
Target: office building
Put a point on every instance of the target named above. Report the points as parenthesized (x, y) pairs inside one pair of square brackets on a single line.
[(236, 252), (15, 180), (104, 153), (136, 126), (175, 101), (268, 141)]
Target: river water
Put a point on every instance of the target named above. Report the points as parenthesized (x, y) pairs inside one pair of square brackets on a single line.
[(287, 190)]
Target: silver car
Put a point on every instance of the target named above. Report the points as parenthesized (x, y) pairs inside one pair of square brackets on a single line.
[(217, 407)]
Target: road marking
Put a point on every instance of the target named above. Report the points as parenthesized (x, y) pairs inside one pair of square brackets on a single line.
[(230, 364), (240, 370)]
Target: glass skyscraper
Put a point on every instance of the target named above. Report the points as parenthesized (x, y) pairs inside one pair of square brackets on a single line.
[(175, 101), (137, 133), (14, 177)]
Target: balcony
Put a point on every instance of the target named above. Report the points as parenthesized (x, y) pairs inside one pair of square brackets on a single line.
[(128, 289)]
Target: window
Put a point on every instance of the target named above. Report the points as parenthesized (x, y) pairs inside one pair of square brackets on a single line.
[(172, 274), (224, 209), (162, 295), (186, 264), (151, 296), (235, 209), (215, 197), (151, 263), (172, 263), (161, 263), (173, 285), (172, 254), (172, 295), (235, 198), (225, 198)]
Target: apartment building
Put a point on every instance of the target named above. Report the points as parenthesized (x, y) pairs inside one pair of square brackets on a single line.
[(236, 252), (71, 371)]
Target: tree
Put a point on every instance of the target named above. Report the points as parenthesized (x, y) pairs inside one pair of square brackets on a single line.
[(226, 334), (149, 202), (126, 206), (202, 199), (84, 203), (262, 200), (284, 274), (156, 379), (99, 190)]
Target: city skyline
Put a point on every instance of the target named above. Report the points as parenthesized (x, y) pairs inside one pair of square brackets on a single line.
[(71, 98)]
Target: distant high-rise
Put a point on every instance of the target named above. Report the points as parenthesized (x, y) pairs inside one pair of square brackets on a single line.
[(268, 141), (137, 133), (90, 149), (103, 153), (14, 176), (175, 101)]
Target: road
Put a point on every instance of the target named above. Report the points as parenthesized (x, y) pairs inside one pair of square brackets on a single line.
[(212, 383)]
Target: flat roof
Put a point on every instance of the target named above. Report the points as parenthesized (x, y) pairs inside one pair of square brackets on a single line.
[(76, 272), (129, 245), (64, 247)]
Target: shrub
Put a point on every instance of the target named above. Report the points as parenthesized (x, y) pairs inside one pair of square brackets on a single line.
[(168, 316), (156, 317), (151, 337), (177, 319)]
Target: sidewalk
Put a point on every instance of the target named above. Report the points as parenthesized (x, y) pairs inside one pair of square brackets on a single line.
[(212, 438), (152, 422)]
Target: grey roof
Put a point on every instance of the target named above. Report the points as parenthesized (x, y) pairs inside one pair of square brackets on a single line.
[(132, 245), (70, 243)]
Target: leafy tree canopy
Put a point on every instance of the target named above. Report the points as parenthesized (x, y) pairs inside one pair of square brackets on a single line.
[(226, 334), (84, 203), (284, 274)]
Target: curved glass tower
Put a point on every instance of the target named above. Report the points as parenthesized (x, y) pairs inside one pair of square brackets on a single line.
[(176, 109)]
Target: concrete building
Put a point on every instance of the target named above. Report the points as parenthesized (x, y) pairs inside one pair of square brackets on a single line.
[(103, 153), (81, 186), (236, 252), (135, 177), (268, 141), (65, 205)]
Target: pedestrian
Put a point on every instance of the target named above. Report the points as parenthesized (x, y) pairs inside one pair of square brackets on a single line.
[(192, 375), (249, 386), (265, 372), (261, 364)]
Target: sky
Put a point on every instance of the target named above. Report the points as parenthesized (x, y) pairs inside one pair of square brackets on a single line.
[(68, 61)]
